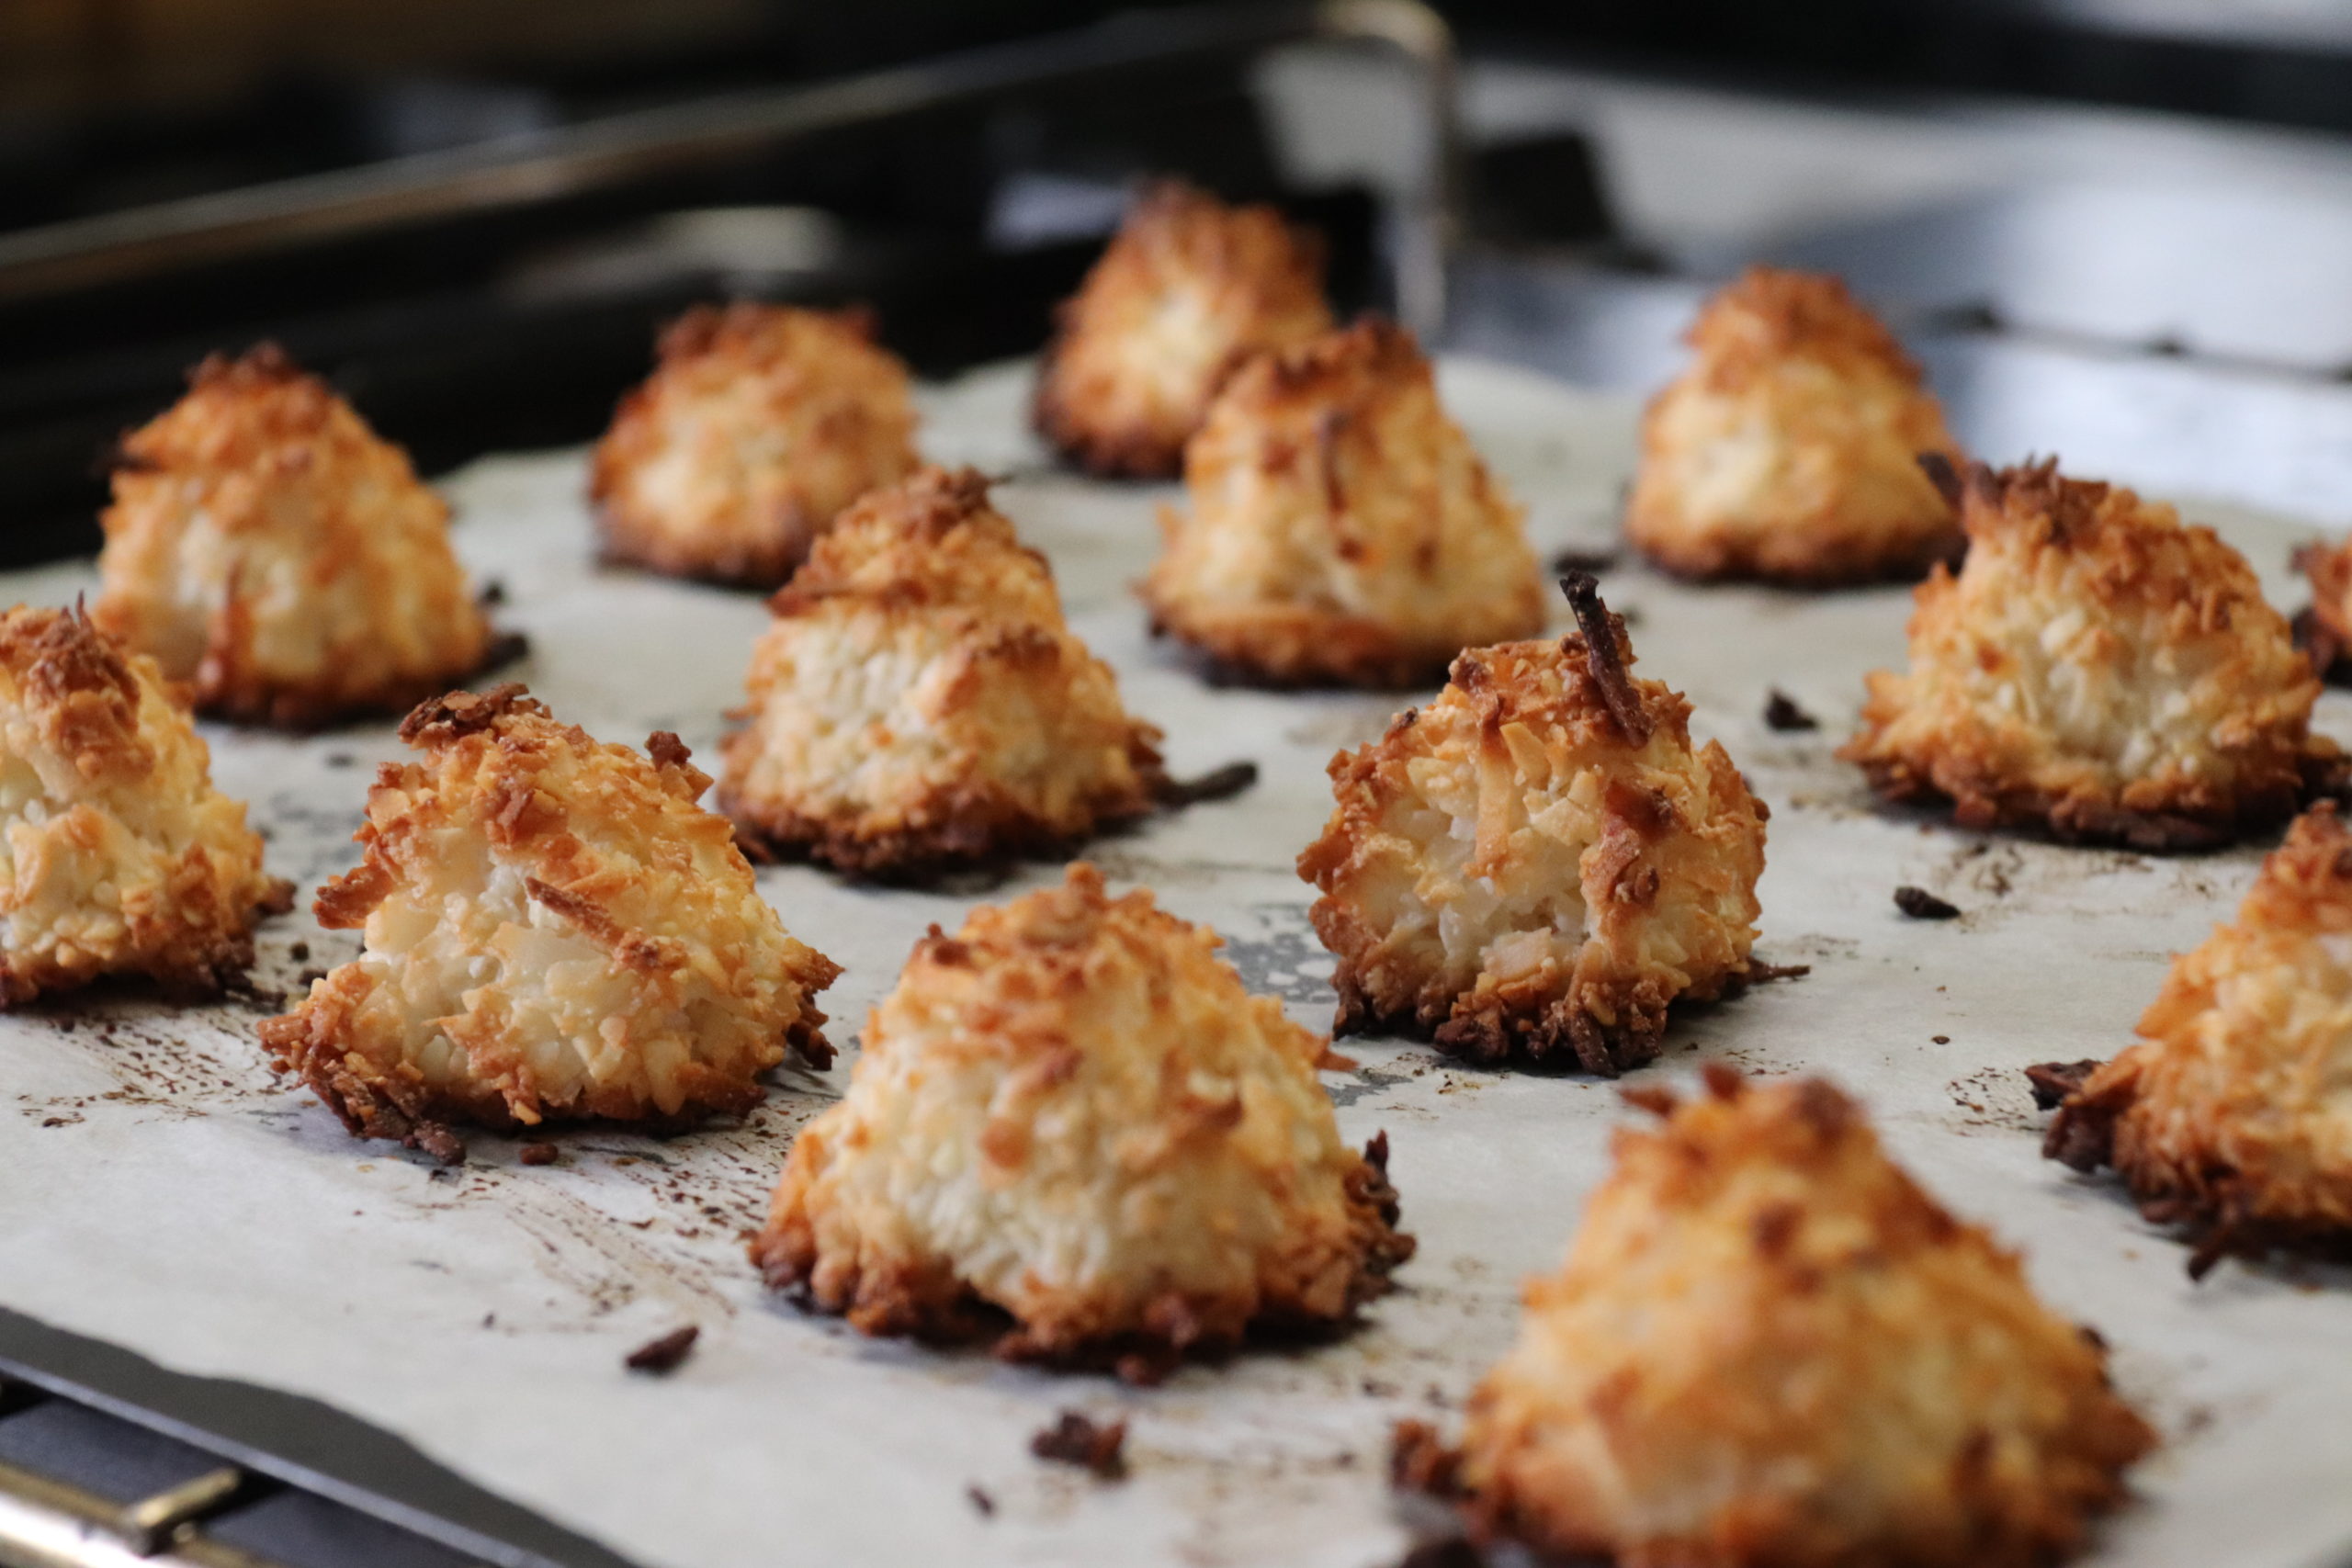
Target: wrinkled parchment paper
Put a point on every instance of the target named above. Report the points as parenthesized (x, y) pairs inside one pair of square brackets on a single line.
[(159, 1189)]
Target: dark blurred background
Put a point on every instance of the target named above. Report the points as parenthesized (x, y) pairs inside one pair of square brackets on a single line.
[(2118, 226)]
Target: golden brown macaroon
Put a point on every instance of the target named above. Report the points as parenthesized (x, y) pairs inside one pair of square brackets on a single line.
[(1072, 1129), (117, 855), (1540, 862), (919, 704), (2324, 631), (2232, 1114), (1768, 1347), (1188, 289), (2099, 670), (267, 547), (760, 424), (553, 931), (1342, 528), (1788, 452)]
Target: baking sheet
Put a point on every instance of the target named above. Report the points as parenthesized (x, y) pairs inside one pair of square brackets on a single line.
[(159, 1189)]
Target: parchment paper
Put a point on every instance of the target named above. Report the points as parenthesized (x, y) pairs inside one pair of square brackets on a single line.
[(159, 1189)]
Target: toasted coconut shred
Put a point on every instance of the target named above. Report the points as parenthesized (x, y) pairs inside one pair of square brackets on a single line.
[(1071, 1132), (553, 931), (919, 703), (1341, 527), (269, 549), (2231, 1116), (2097, 670), (117, 855), (1789, 451), (760, 424), (2325, 630), (1540, 863), (1187, 291), (1768, 1346)]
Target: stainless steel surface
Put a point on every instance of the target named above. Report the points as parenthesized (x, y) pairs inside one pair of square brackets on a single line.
[(519, 171), (132, 1446), (50, 1522)]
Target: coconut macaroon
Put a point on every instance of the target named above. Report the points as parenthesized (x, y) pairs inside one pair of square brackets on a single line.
[(760, 424), (2097, 670), (2325, 630), (267, 547), (553, 930), (919, 704), (1187, 290), (2232, 1114), (1768, 1346), (1788, 452), (1342, 528), (1540, 862), (1072, 1129), (117, 855)]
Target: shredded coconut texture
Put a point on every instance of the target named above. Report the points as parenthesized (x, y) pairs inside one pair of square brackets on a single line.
[(1509, 869), (2097, 668), (919, 703), (117, 855), (1788, 452), (1342, 529), (270, 551), (1188, 289), (1768, 1346), (553, 930), (2233, 1111), (1069, 1127), (759, 426)]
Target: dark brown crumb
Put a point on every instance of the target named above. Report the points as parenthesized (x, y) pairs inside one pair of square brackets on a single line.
[(1604, 659), (1576, 559), (438, 1142), (537, 1154), (1418, 1461), (1221, 784), (2053, 1081), (2320, 645), (1453, 1551), (666, 1354), (1922, 905), (1759, 972), (2081, 1137), (493, 592), (981, 1501), (1945, 1040), (299, 953), (1782, 712), (1942, 475), (1075, 1439), (504, 649)]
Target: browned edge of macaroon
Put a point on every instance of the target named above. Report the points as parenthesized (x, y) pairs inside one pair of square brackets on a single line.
[(947, 1313), (2069, 820), (2216, 1224)]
